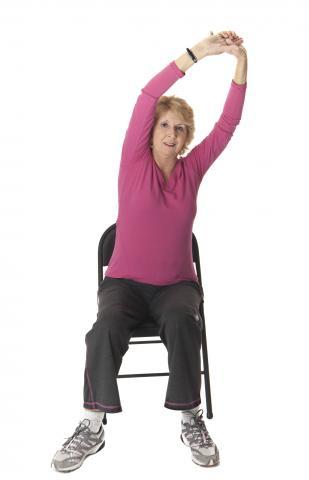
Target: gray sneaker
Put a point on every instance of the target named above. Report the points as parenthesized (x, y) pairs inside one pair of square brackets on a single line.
[(194, 434), (76, 448)]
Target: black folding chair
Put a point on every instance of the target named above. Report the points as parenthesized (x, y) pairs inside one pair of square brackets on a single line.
[(149, 328)]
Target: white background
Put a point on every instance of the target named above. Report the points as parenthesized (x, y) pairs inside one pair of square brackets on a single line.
[(71, 72)]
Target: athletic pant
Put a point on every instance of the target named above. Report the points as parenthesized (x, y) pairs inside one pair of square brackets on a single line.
[(123, 305)]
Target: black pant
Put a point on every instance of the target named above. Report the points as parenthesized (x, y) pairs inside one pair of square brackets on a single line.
[(123, 304)]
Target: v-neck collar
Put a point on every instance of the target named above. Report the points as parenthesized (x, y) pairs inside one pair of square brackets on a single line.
[(170, 183)]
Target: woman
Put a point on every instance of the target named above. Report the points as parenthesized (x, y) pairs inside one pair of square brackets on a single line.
[(151, 270)]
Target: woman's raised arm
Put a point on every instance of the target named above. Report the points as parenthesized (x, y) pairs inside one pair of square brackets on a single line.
[(205, 153)]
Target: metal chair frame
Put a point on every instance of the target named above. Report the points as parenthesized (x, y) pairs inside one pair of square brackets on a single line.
[(149, 329)]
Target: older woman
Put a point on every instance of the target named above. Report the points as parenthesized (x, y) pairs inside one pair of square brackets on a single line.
[(151, 271)]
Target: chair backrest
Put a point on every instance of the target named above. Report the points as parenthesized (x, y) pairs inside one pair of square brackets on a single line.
[(106, 248)]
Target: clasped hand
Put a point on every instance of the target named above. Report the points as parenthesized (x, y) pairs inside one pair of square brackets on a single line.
[(224, 42)]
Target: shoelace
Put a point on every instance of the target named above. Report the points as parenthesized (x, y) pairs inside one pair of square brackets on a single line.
[(73, 440), (199, 431)]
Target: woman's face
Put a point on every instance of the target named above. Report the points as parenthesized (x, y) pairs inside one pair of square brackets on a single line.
[(170, 129)]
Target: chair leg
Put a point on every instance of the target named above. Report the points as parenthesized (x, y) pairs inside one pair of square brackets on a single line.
[(206, 370)]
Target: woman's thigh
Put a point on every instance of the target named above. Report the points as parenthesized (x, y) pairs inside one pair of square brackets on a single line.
[(176, 302), (119, 304)]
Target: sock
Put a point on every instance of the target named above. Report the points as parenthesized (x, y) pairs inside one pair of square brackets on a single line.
[(187, 414), (95, 419)]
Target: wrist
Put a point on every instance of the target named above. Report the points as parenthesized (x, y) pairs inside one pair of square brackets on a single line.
[(242, 55), (200, 50)]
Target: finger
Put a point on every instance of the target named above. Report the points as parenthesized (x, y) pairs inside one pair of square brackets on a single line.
[(237, 39), (233, 35)]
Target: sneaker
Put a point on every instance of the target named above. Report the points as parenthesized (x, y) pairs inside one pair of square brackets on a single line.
[(195, 435), (76, 448)]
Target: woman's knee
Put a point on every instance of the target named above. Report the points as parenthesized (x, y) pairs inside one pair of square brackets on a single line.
[(109, 322), (179, 317)]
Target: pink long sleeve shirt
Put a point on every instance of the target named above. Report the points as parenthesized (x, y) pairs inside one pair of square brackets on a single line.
[(154, 226)]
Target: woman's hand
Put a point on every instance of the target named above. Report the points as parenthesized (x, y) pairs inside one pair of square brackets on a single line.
[(224, 42)]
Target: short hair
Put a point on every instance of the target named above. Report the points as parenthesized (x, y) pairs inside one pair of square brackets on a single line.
[(183, 109)]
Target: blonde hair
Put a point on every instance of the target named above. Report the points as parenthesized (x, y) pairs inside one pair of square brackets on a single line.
[(181, 107)]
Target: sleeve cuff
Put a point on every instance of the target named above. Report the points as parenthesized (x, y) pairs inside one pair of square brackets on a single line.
[(239, 85), (179, 72)]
